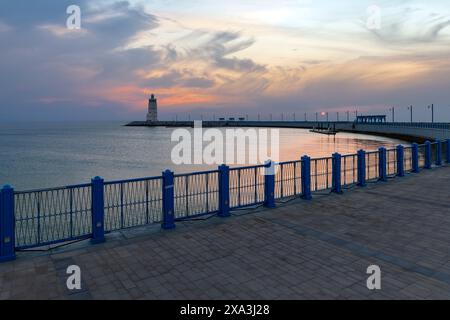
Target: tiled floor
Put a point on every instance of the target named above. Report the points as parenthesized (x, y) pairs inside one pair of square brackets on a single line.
[(317, 249)]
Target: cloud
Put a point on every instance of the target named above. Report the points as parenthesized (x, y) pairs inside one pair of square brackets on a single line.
[(218, 65), (51, 65)]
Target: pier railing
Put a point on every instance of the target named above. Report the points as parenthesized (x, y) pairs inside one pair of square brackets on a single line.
[(37, 218)]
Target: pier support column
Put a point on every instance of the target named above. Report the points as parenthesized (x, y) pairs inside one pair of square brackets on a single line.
[(168, 200), (361, 168), (382, 163), (438, 153), (447, 150), (427, 155), (306, 178), (400, 161), (98, 211), (336, 173), (415, 157), (269, 185), (7, 231), (224, 191)]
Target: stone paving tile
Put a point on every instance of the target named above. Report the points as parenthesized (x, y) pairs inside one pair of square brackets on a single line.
[(316, 249)]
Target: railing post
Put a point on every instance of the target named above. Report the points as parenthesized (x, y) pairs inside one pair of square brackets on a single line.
[(168, 200), (361, 168), (98, 211), (415, 157), (427, 155), (7, 223), (438, 153), (224, 191), (306, 178), (269, 185), (336, 175), (382, 163), (447, 150), (400, 161)]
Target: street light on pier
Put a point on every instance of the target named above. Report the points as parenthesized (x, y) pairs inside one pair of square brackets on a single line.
[(294, 116), (348, 116), (317, 117), (306, 117), (411, 109), (270, 116), (337, 116), (393, 113), (432, 112)]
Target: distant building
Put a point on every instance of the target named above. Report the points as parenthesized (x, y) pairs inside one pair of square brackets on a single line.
[(371, 119), (152, 114)]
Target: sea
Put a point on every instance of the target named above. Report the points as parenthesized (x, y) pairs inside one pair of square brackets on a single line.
[(38, 155)]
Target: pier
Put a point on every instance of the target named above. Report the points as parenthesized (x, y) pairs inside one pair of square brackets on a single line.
[(409, 131)]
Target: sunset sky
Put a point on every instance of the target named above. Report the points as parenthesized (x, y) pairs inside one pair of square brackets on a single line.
[(226, 58)]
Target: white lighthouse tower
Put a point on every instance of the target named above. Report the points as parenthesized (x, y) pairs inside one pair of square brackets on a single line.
[(152, 114)]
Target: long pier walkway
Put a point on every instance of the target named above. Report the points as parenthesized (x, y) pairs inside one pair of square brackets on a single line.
[(317, 249)]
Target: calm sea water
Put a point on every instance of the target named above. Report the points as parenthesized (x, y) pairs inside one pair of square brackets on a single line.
[(40, 155)]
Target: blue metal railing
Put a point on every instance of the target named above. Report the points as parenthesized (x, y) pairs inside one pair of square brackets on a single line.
[(49, 216), (132, 203), (196, 194), (288, 178), (247, 186), (349, 169)]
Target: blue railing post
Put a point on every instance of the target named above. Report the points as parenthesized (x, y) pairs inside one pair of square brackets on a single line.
[(438, 153), (224, 191), (98, 211), (7, 222), (415, 157), (168, 200), (361, 168), (306, 178), (400, 161), (269, 185), (382, 164), (447, 150), (427, 155), (336, 175)]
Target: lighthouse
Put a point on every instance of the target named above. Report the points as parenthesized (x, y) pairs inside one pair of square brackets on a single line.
[(152, 114)]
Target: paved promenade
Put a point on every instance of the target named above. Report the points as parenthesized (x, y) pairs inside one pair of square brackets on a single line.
[(302, 250)]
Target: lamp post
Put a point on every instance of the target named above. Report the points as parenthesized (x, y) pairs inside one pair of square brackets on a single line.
[(393, 113), (306, 118), (317, 117), (348, 116), (337, 113), (432, 112), (411, 109)]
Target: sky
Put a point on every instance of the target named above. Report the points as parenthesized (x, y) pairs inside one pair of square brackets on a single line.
[(224, 58)]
